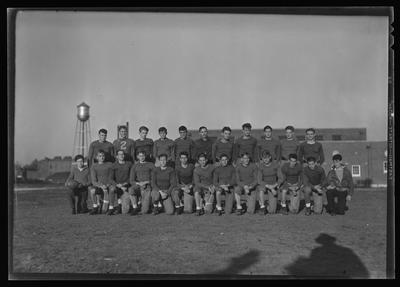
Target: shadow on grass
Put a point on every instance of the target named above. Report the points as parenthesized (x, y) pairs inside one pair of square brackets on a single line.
[(240, 263), (329, 260)]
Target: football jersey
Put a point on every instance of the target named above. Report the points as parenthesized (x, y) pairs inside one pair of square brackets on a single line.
[(128, 146)]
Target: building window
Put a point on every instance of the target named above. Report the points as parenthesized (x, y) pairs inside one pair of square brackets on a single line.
[(337, 137), (385, 166), (356, 170)]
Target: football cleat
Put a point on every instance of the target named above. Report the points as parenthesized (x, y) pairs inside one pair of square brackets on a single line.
[(94, 211), (308, 211), (110, 212)]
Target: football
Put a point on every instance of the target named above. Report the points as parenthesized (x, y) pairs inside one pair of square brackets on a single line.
[(72, 183)]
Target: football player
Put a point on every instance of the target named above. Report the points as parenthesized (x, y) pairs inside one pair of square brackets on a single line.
[(101, 175), (101, 144), (269, 180), (314, 181), (223, 145), (140, 180), (121, 172), (224, 182), (144, 144), (311, 148), (184, 189), (246, 179), (292, 177), (125, 144), (204, 188), (246, 144), (164, 145), (163, 182), (78, 182)]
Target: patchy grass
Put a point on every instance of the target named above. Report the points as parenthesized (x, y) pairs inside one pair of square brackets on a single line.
[(48, 239)]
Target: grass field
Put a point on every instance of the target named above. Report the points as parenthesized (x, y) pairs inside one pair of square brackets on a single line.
[(47, 238)]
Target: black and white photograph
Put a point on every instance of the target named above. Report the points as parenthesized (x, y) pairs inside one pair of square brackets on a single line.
[(220, 143)]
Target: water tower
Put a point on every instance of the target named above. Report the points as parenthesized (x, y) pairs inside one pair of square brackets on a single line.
[(82, 136)]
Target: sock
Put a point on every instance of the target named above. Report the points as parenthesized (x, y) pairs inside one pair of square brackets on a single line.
[(105, 201), (262, 206), (177, 206), (219, 207), (111, 207), (239, 207), (308, 204), (94, 205), (134, 205), (159, 204), (283, 204), (119, 201), (198, 208)]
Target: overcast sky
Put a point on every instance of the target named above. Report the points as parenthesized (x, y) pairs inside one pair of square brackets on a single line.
[(168, 69)]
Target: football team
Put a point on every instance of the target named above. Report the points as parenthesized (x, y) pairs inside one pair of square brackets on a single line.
[(246, 175)]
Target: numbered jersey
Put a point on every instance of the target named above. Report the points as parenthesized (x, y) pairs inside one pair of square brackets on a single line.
[(128, 146)]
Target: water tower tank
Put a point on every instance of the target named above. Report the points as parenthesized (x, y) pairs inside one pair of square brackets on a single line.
[(83, 112)]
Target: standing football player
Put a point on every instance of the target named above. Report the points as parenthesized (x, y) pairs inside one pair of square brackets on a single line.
[(311, 148), (223, 145), (144, 144), (289, 145), (268, 143), (164, 145), (101, 144), (184, 143), (203, 145), (246, 144), (125, 144)]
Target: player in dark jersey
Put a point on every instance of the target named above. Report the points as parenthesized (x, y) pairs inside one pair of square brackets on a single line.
[(184, 143), (144, 144), (292, 176), (164, 145), (163, 181), (119, 188), (203, 145), (184, 189), (101, 175), (246, 144), (101, 144), (268, 143), (204, 188), (223, 145), (125, 144), (311, 148), (289, 145), (224, 181)]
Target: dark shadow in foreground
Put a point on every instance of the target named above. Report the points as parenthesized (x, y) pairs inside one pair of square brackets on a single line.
[(240, 263), (329, 260)]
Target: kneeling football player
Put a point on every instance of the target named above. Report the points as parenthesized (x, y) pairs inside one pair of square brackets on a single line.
[(224, 182), (269, 180), (246, 179), (78, 182), (163, 182), (121, 171), (101, 175), (314, 181), (184, 188), (140, 180), (203, 185), (292, 173)]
